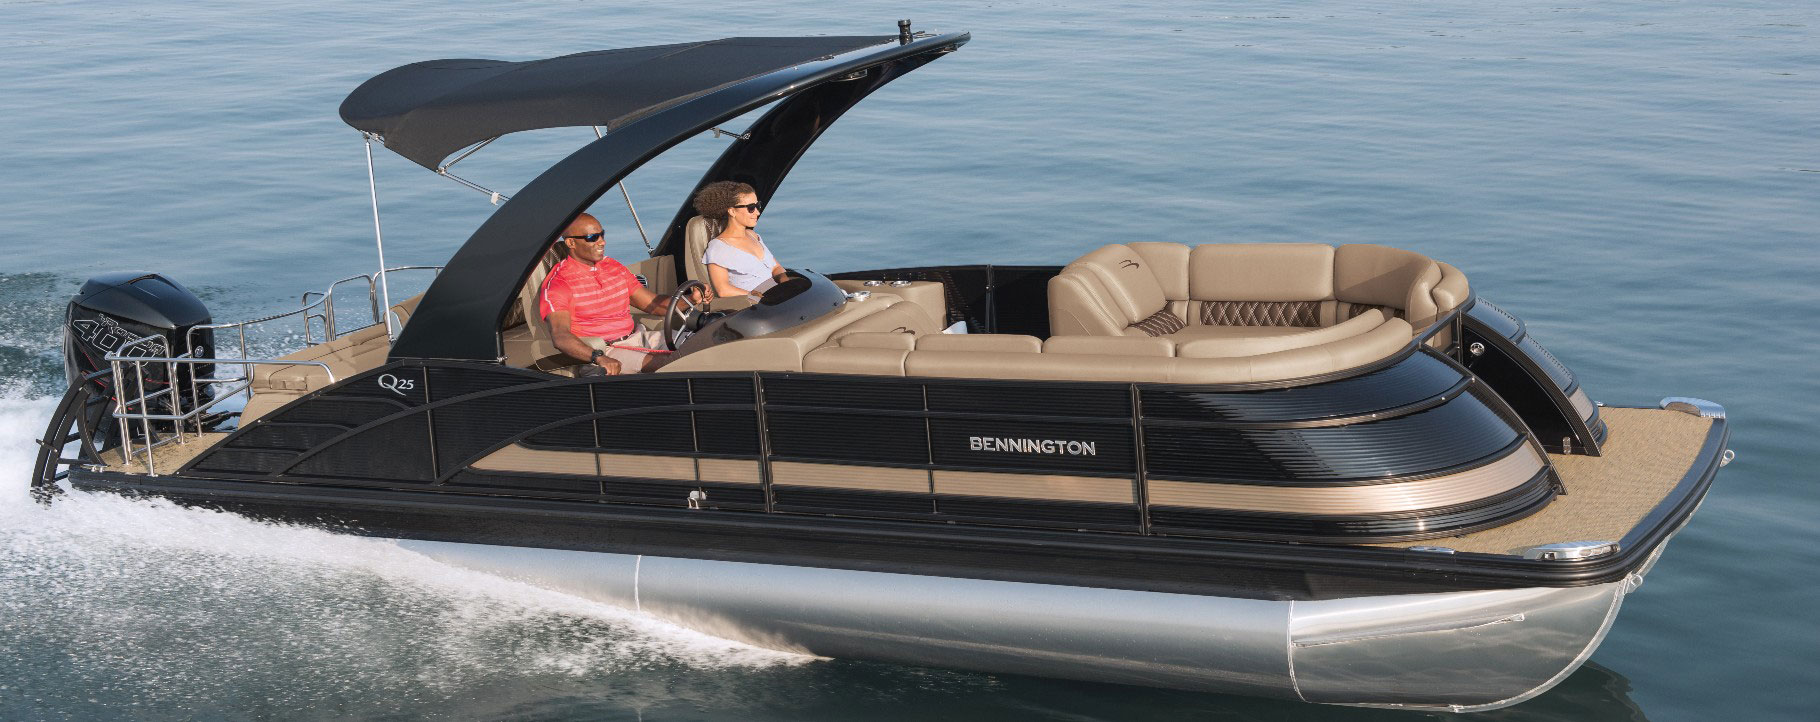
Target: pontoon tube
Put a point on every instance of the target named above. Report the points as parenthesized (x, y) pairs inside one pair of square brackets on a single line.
[(1462, 651)]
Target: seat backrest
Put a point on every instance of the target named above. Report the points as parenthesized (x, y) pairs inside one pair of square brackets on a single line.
[(1126, 277), (1260, 284), (905, 318), (1117, 289), (542, 343), (352, 353), (1260, 272), (1369, 275), (695, 245), (1112, 291)]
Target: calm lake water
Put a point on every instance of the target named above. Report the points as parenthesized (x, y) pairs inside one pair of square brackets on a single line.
[(1640, 181)]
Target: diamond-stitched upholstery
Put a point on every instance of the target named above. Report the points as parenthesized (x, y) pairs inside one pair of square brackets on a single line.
[(1261, 313), (1161, 323)]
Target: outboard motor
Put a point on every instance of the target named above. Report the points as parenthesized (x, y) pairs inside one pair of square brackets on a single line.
[(113, 310)]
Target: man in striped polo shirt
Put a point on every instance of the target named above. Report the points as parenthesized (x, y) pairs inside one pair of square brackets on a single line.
[(588, 299)]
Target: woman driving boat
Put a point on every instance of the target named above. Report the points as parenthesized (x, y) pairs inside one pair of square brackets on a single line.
[(737, 260)]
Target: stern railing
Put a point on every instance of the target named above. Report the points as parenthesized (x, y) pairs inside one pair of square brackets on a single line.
[(147, 420)]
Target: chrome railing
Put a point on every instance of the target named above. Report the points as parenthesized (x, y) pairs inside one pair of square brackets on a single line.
[(182, 419), (128, 409)]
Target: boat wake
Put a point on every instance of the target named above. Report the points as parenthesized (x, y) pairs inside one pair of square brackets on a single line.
[(149, 606)]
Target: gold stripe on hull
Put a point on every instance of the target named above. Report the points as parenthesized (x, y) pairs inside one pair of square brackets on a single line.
[(1035, 487), (1471, 485), (843, 476), (728, 471), (642, 466), (518, 458)]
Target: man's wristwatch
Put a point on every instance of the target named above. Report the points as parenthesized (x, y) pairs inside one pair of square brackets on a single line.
[(596, 357)]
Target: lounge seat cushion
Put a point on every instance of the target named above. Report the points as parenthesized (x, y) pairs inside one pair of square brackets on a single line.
[(878, 339), (1194, 333), (1229, 346), (856, 360), (1123, 290), (788, 349), (1260, 272), (1381, 342), (994, 342), (1110, 345), (1380, 276), (358, 351)]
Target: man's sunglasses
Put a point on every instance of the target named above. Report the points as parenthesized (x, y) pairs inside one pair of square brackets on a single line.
[(590, 238), (754, 207)]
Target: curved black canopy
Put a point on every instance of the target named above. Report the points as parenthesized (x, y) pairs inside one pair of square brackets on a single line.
[(460, 315), (427, 111)]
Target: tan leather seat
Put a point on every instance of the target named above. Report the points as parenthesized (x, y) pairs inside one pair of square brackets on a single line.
[(786, 350), (1108, 292), (1280, 339), (888, 337), (1381, 342), (981, 343), (358, 351), (1243, 292), (1195, 333), (528, 344), (695, 245), (1241, 313), (1110, 345)]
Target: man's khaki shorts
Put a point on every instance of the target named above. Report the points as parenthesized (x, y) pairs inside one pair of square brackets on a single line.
[(631, 351)]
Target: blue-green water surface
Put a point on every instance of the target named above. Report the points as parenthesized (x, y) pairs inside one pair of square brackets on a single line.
[(1639, 180)]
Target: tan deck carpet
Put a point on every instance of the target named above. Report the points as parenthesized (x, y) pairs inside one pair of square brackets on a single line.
[(1646, 453), (167, 459)]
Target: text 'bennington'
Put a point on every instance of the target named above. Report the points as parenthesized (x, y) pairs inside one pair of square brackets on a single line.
[(1032, 446)]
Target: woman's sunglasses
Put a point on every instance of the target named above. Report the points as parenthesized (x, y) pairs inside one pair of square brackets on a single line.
[(754, 207)]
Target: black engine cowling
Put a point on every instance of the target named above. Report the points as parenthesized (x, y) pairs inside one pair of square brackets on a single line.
[(111, 311)]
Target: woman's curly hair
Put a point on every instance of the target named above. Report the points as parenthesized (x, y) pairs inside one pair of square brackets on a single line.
[(715, 199)]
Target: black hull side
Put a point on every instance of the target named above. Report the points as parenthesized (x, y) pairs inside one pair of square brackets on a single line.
[(1327, 461), (1239, 569)]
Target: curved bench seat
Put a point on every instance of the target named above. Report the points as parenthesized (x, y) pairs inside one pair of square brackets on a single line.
[(1233, 341), (1233, 295), (1147, 312), (274, 385), (1081, 358)]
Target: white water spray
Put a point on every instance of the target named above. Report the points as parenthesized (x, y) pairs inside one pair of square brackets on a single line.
[(147, 605)]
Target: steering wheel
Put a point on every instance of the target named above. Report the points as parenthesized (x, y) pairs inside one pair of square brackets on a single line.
[(681, 320)]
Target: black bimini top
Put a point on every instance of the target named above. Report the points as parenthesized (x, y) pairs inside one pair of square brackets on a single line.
[(649, 99), (428, 110)]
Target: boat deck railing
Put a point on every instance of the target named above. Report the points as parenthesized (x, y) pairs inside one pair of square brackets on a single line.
[(318, 307), (167, 415)]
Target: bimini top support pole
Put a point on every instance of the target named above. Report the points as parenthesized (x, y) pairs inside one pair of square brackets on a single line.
[(628, 194), (443, 170), (385, 295)]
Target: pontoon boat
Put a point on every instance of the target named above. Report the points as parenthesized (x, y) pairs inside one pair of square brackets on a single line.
[(1332, 474)]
